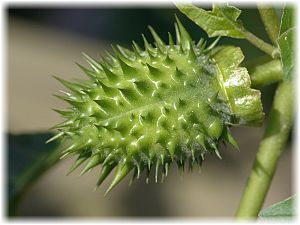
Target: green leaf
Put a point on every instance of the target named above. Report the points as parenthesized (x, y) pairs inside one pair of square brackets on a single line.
[(221, 21), (280, 210), (28, 158), (286, 42), (288, 19)]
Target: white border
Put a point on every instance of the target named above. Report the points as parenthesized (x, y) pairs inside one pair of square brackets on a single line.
[(3, 83)]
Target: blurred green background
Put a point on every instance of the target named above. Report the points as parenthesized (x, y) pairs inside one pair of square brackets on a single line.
[(45, 41)]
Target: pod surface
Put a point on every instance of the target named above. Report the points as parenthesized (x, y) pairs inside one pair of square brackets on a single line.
[(144, 109)]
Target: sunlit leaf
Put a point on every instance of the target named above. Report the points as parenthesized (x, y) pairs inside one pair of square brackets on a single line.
[(221, 21)]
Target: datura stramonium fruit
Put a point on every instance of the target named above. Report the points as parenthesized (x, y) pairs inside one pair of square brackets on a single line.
[(144, 109)]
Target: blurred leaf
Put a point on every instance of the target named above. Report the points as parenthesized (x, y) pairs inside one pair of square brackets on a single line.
[(28, 158), (286, 42), (287, 19), (221, 21), (280, 210)]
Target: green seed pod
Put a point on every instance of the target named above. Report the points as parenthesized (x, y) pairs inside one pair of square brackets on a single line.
[(144, 109)]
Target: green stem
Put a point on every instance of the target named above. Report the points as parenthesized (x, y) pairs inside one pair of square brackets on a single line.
[(270, 149), (270, 20), (267, 48), (266, 73)]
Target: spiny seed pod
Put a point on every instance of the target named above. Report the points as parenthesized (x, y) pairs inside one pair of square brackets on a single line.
[(144, 109)]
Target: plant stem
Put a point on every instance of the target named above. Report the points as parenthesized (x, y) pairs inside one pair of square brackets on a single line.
[(266, 73), (270, 20), (267, 48), (270, 149)]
